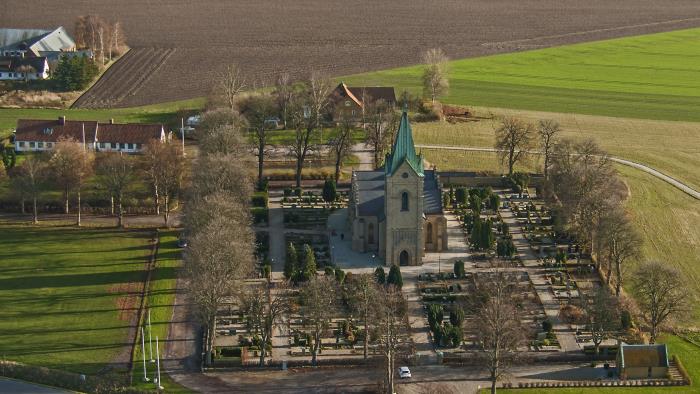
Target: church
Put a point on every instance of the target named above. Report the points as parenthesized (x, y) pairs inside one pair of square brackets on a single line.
[(396, 210)]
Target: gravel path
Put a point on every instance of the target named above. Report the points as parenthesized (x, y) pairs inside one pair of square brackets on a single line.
[(666, 178)]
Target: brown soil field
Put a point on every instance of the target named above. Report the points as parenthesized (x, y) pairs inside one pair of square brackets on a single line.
[(192, 40)]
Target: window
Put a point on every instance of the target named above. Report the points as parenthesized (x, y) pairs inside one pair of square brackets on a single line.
[(102, 145), (31, 144), (40, 145), (370, 233), (430, 233), (49, 144), (404, 201), (130, 146), (21, 144), (137, 146), (0, 75)]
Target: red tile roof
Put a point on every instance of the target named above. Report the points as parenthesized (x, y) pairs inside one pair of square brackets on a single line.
[(53, 130)]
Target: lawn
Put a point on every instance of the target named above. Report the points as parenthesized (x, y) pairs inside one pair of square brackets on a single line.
[(166, 113), (655, 76), (60, 294), (670, 147), (160, 300), (670, 224)]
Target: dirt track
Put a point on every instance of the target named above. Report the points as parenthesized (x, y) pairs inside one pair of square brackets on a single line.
[(338, 36)]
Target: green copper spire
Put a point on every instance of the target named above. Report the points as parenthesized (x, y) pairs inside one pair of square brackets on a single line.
[(404, 149)]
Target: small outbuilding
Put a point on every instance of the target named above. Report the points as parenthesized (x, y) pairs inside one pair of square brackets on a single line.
[(643, 362)]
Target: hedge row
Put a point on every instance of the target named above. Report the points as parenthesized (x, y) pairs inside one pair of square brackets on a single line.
[(67, 380), (596, 383)]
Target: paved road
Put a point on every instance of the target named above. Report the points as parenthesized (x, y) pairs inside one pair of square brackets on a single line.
[(19, 387), (666, 178)]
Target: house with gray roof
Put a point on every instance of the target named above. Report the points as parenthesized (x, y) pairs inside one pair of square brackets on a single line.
[(35, 42), (396, 210)]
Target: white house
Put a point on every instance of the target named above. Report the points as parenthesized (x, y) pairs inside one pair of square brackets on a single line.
[(23, 68), (32, 135)]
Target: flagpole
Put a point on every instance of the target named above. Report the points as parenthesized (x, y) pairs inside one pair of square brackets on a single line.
[(160, 386), (143, 352), (150, 341)]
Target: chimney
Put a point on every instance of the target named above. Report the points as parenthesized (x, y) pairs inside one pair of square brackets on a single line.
[(62, 120), (111, 121)]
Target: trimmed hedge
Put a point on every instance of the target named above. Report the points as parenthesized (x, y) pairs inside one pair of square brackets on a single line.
[(67, 380), (682, 370)]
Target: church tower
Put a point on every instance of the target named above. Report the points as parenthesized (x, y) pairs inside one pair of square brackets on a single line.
[(403, 202)]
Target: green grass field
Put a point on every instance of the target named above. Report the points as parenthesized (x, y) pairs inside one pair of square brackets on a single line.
[(670, 147), (60, 290), (654, 76), (165, 113)]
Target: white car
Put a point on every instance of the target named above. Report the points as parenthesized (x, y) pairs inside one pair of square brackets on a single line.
[(404, 373)]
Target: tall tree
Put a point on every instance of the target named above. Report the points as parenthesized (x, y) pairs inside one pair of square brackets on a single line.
[(71, 164), (339, 145), (620, 241), (257, 109), (318, 304), (395, 277), (584, 182), (602, 316), (284, 92), (547, 130), (116, 174), (230, 83), (498, 324), (221, 172), (513, 140), (364, 296), (218, 257), (381, 119), (264, 309), (164, 164), (391, 326), (226, 139), (200, 212), (308, 266), (307, 115), (661, 294), (435, 82), (30, 178)]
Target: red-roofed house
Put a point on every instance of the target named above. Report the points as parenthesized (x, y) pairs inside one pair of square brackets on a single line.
[(349, 102), (32, 135)]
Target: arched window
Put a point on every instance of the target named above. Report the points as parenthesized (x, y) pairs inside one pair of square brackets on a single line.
[(404, 201), (429, 238), (370, 233)]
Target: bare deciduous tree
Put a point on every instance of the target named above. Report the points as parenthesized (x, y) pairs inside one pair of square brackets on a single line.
[(257, 109), (584, 182), (164, 165), (264, 309), (218, 257), (381, 120), (364, 296), (391, 326), (602, 316), (229, 84), (30, 178), (498, 325), (71, 164), (221, 172), (307, 113), (226, 139), (339, 145), (116, 173), (435, 82), (318, 302), (619, 241), (284, 92), (201, 212), (661, 294), (547, 130), (513, 140)]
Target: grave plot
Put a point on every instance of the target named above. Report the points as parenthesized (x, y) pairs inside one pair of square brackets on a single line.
[(343, 339), (236, 342), (318, 242), (450, 302), (310, 199)]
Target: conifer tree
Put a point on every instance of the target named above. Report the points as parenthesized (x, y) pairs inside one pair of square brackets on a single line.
[(394, 277), (290, 264)]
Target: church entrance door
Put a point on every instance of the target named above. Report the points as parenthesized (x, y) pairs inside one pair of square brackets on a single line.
[(403, 258)]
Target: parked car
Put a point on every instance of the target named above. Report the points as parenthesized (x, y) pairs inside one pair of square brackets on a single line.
[(404, 373), (182, 242), (193, 120)]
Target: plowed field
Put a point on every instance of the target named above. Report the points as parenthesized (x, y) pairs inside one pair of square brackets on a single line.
[(339, 36)]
